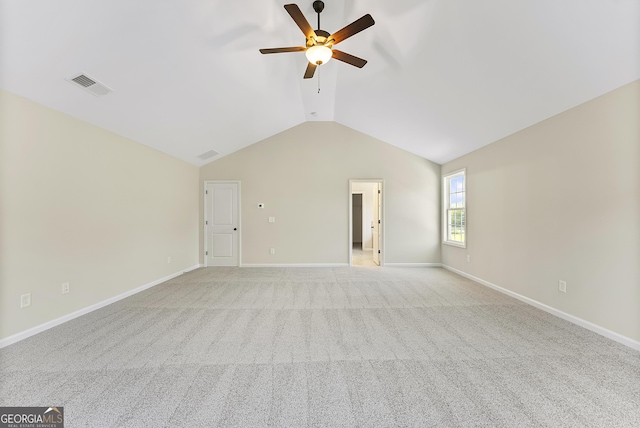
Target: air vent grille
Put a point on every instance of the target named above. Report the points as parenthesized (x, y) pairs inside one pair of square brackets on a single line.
[(83, 81), (207, 155), (90, 85)]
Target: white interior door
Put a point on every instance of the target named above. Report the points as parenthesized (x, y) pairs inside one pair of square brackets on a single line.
[(379, 231), (221, 224), (377, 217)]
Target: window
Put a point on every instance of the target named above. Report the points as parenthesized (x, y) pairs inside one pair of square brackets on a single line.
[(455, 212)]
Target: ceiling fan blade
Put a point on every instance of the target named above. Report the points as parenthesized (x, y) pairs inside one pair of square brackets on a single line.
[(349, 59), (282, 50), (299, 18), (311, 68), (354, 28)]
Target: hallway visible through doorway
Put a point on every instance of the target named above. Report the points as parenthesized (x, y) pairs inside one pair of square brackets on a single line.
[(365, 222), (360, 257)]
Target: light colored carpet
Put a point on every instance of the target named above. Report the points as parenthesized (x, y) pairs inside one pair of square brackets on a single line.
[(331, 347)]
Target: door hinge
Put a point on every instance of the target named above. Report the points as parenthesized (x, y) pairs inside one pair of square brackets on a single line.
[(378, 251), (378, 221), (206, 253), (379, 191), (206, 222), (206, 192)]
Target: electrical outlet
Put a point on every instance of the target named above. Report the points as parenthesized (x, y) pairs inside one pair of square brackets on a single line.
[(25, 300), (169, 260), (272, 251), (65, 288), (562, 286), (468, 258)]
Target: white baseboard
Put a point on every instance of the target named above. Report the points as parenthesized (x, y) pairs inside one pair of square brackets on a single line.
[(627, 341), (413, 265), (53, 323), (295, 265)]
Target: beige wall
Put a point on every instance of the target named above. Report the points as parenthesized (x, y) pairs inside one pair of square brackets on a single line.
[(561, 200), (302, 176), (79, 204)]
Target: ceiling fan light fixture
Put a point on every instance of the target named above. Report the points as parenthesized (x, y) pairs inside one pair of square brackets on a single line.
[(319, 54), (319, 43)]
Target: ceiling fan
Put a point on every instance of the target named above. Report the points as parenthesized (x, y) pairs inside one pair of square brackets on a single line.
[(319, 43)]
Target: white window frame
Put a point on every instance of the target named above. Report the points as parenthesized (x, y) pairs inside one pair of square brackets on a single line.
[(446, 206)]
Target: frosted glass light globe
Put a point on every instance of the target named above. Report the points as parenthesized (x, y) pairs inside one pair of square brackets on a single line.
[(318, 54)]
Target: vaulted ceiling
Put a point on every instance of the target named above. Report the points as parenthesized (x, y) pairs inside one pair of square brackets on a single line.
[(444, 77)]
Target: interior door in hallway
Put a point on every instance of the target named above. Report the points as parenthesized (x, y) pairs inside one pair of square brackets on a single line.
[(222, 224), (377, 223)]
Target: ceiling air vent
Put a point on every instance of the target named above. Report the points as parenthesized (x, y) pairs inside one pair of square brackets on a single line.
[(207, 155), (90, 84)]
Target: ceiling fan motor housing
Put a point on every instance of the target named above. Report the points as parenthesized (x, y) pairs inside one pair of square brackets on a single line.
[(318, 6), (320, 39)]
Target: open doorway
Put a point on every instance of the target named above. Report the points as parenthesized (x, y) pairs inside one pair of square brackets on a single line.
[(366, 223)]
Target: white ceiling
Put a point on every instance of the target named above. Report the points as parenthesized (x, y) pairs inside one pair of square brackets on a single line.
[(444, 77)]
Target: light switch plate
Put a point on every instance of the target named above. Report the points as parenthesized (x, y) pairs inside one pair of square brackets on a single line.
[(562, 286), (25, 300)]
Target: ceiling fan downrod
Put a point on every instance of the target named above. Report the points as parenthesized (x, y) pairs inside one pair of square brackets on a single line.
[(318, 6)]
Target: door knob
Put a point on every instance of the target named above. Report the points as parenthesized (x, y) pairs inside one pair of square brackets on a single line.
[(235, 228)]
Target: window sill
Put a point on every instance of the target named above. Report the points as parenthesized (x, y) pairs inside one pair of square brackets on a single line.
[(455, 244)]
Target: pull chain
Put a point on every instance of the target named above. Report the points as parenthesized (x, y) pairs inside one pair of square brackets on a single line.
[(318, 79)]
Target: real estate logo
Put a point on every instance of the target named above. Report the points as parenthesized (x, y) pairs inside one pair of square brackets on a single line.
[(31, 417)]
